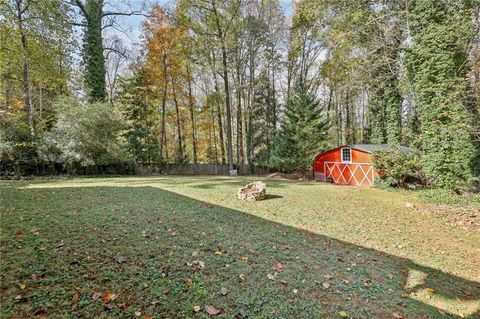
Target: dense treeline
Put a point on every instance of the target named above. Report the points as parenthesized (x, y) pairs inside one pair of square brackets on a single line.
[(241, 82)]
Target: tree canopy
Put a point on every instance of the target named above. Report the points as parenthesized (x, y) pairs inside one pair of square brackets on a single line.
[(241, 82)]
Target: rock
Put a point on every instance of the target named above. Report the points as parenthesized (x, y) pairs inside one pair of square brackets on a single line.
[(253, 192)]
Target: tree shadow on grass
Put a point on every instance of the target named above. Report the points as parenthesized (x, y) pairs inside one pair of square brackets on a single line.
[(145, 244)]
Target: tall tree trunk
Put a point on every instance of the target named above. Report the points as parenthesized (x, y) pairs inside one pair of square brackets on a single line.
[(228, 108), (214, 136), (181, 155), (250, 94), (221, 36), (348, 122), (219, 113), (240, 154), (192, 116), (26, 68), (163, 137), (93, 57)]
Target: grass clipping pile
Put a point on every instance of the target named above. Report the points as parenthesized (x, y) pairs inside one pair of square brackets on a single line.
[(253, 192)]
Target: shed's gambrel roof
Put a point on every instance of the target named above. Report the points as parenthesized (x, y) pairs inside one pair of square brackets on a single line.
[(369, 148)]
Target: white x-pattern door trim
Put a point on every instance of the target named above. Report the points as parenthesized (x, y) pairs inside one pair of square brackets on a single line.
[(368, 175)]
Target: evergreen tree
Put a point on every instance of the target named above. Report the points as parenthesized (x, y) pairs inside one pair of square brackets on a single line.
[(303, 132), (262, 123), (437, 69)]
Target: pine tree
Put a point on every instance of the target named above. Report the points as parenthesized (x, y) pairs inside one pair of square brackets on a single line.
[(303, 132)]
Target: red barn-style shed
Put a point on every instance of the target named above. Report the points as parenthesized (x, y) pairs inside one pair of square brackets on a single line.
[(348, 164)]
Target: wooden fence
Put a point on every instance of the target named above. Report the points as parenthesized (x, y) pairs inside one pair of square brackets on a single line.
[(199, 169)]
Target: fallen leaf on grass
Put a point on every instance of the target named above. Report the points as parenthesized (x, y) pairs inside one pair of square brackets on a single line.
[(270, 277), (75, 297), (96, 295), (405, 295), (295, 291), (201, 264), (326, 285), (430, 290), (343, 314), (197, 308), (242, 313), (34, 231), (189, 282), (109, 297), (122, 306), (241, 276), (147, 317), (19, 234), (278, 267), (22, 286), (467, 293), (284, 282), (166, 291), (224, 291), (397, 315), (212, 310), (218, 252), (39, 311), (138, 313), (108, 306)]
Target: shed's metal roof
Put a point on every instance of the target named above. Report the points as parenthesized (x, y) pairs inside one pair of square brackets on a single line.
[(369, 148)]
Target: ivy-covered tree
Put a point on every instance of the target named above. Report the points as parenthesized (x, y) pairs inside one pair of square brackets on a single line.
[(437, 68), (303, 132), (95, 18), (92, 11)]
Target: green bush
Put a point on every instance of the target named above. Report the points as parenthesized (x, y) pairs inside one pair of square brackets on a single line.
[(18, 154), (398, 168), (84, 136)]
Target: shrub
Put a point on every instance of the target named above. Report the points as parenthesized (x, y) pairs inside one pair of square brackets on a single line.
[(84, 135), (398, 168), (18, 155)]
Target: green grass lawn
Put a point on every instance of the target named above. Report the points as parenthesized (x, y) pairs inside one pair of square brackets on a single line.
[(163, 245)]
